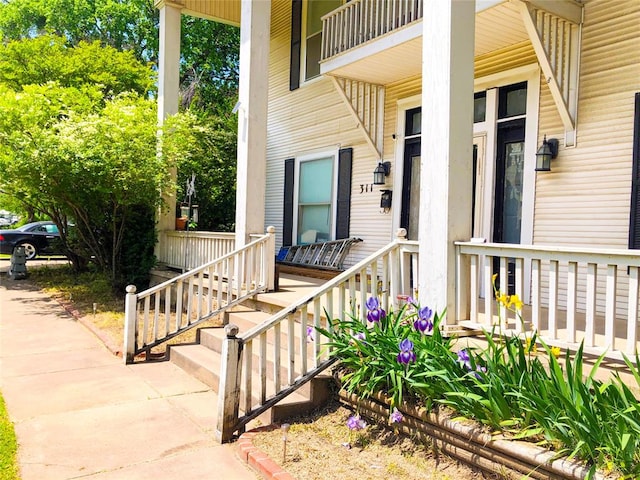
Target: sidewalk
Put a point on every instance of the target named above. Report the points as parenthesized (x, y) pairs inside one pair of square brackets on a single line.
[(79, 412)]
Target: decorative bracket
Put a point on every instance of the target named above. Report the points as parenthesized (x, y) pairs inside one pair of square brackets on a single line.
[(555, 30), (365, 102)]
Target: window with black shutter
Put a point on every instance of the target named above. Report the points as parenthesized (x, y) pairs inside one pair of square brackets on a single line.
[(343, 213), (310, 196), (296, 42), (287, 217)]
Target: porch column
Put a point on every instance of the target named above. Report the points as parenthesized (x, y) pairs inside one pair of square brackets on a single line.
[(168, 87), (252, 118), (447, 147)]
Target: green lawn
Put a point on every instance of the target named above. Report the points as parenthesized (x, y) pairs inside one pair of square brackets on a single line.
[(8, 446)]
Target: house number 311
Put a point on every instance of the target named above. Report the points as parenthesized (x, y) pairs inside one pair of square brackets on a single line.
[(366, 187)]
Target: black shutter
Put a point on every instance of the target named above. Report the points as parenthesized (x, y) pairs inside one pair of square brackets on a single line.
[(296, 38), (287, 215), (634, 224), (343, 214)]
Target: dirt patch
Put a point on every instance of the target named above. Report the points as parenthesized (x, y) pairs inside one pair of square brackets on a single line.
[(320, 446)]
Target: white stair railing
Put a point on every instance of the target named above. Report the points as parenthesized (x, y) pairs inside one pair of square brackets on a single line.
[(284, 347), (166, 310)]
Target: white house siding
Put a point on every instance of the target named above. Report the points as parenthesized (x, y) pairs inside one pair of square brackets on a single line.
[(585, 199), (311, 118)]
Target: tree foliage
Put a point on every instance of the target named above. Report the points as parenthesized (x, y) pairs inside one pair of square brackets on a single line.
[(210, 65), (126, 25), (204, 144), (64, 65), (83, 152)]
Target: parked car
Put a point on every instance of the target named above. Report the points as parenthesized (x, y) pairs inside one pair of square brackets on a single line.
[(37, 238)]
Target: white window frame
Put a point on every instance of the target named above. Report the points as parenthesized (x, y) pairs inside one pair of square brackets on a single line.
[(316, 155)]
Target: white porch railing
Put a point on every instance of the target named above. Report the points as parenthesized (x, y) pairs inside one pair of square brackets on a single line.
[(576, 294), (187, 250), (359, 21), (283, 342), (177, 305)]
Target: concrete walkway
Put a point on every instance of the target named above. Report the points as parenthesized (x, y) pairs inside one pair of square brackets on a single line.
[(79, 412)]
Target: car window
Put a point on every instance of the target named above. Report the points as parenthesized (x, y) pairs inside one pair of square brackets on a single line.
[(51, 228)]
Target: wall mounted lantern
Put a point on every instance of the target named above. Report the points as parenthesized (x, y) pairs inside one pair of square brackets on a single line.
[(381, 171), (547, 152)]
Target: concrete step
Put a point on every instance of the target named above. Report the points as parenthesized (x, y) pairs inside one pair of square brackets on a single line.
[(213, 338), (203, 360), (204, 364)]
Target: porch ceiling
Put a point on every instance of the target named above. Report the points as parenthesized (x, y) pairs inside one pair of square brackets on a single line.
[(400, 57), (224, 11)]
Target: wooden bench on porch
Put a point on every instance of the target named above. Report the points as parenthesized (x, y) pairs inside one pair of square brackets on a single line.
[(319, 259)]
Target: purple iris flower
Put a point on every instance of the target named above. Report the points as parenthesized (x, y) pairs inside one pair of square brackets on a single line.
[(406, 354), (359, 337), (355, 422), (310, 337), (480, 370), (396, 416), (463, 357), (374, 312), (424, 323)]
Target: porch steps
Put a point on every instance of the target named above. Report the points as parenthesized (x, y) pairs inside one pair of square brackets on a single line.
[(203, 360)]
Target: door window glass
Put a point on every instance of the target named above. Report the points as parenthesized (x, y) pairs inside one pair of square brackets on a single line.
[(512, 100), (479, 107), (512, 200)]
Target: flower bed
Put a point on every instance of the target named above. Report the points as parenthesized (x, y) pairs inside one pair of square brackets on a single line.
[(516, 386)]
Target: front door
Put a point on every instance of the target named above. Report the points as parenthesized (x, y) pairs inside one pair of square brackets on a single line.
[(410, 212)]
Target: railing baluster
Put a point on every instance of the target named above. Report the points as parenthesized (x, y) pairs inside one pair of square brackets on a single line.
[(632, 313), (145, 324), (474, 290), (353, 301), (342, 303), (553, 298), (263, 367), (610, 308), (189, 300), (316, 323), (179, 297), (277, 356), (247, 353), (572, 282), (156, 316), (519, 274), (291, 349), (167, 309), (200, 295), (592, 285), (210, 307), (504, 290), (303, 339), (536, 275), (363, 295), (489, 297), (386, 291)]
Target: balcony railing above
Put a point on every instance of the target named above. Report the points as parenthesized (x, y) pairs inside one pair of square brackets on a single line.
[(360, 21)]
